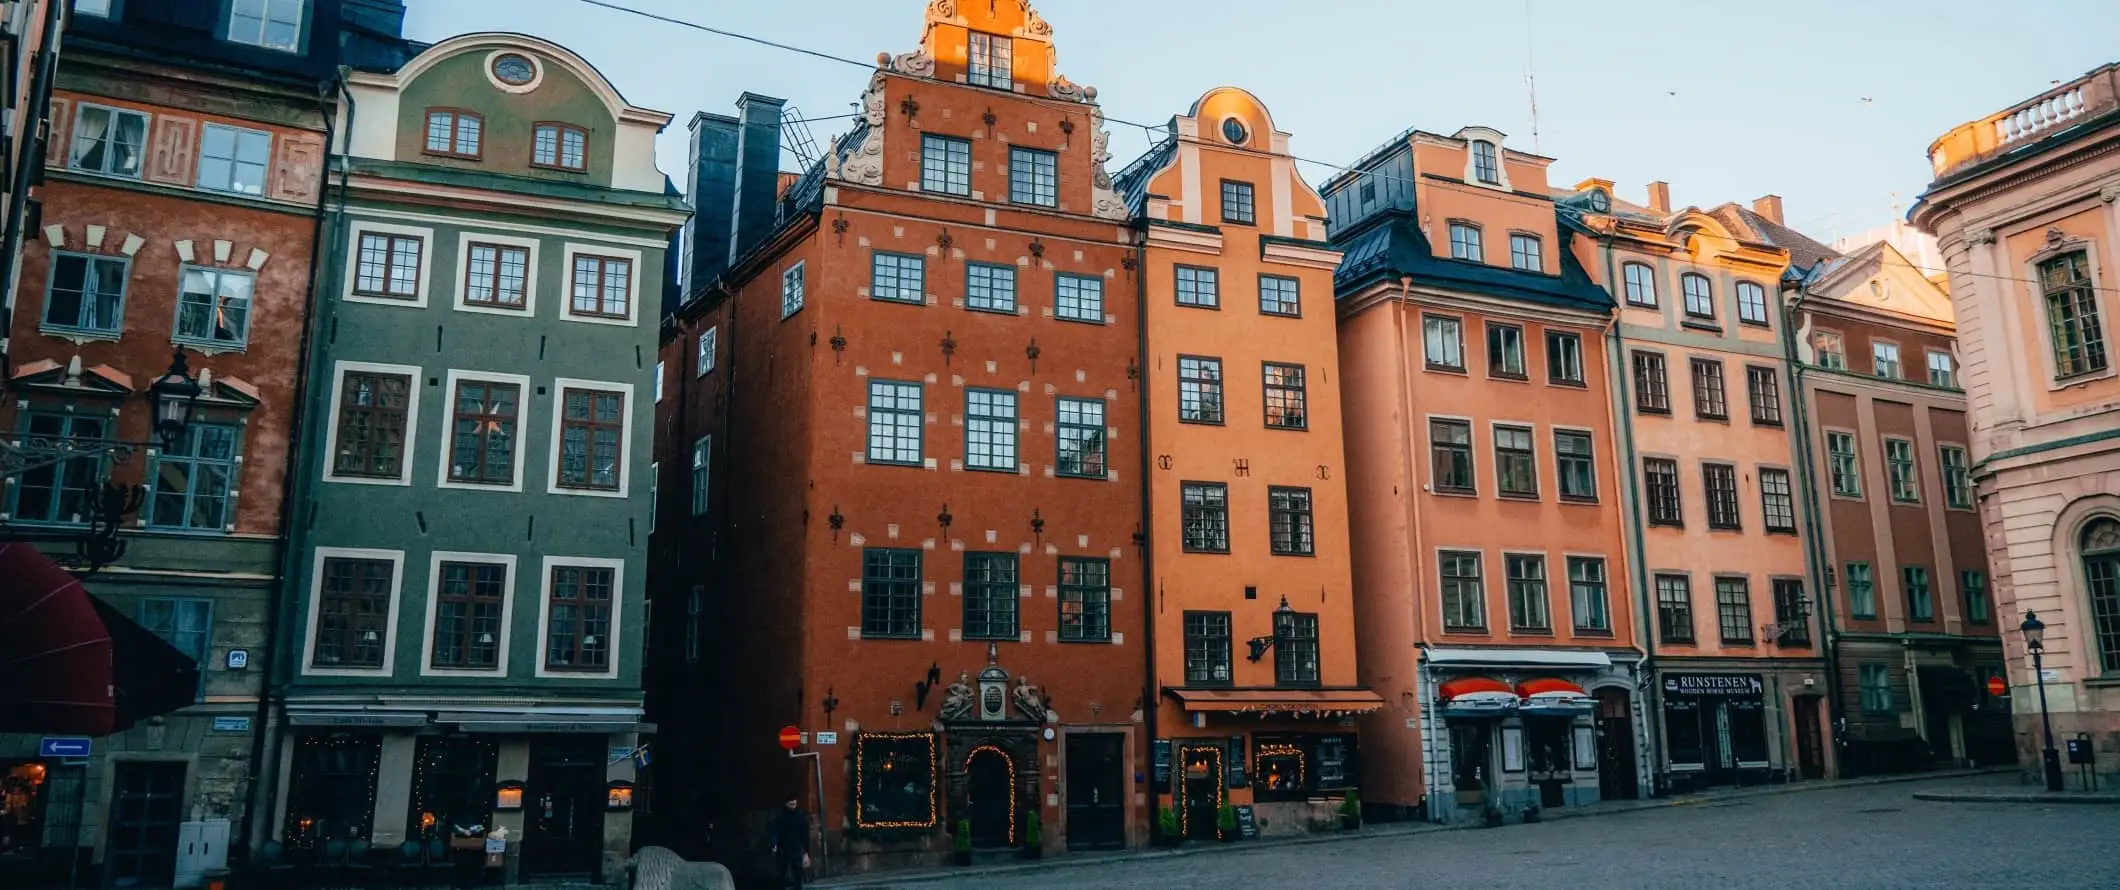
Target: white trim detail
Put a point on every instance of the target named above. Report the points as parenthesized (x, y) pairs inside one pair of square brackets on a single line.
[(434, 587), (537, 71), (523, 395), (463, 267), (353, 263), (396, 559), (412, 420), (544, 612), (560, 386)]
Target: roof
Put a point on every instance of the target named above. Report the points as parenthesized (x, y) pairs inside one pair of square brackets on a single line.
[(1804, 252), (1391, 244), (1132, 182)]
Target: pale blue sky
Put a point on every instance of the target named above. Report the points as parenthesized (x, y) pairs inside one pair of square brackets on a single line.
[(1728, 101)]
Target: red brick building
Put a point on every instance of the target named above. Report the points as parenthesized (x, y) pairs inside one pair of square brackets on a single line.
[(899, 480)]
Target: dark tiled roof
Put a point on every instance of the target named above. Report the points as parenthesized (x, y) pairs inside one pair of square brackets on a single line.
[(1391, 244), (1132, 182), (1803, 251)]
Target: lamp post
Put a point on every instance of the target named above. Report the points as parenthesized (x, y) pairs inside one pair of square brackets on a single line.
[(1259, 645), (2035, 640)]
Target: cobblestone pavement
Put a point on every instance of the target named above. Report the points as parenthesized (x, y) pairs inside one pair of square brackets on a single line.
[(1875, 836)]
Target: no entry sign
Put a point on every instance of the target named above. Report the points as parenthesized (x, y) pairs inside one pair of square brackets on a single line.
[(1997, 687), (790, 737)]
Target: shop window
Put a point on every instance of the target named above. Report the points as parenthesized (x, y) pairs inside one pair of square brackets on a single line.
[(331, 790), (1296, 766), (24, 792), (1748, 732), (1682, 735), (452, 786), (894, 780)]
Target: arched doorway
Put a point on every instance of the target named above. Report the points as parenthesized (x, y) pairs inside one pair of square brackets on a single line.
[(990, 792), (1200, 792), (1616, 778)]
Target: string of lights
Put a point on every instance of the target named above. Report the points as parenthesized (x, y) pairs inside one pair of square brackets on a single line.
[(1011, 763), (861, 786)]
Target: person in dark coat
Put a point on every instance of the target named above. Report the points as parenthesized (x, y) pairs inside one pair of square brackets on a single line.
[(791, 844)]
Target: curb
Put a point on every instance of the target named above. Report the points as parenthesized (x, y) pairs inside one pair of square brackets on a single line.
[(2092, 799)]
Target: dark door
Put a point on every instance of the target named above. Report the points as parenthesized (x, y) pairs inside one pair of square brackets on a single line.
[(1615, 746), (563, 833), (1471, 760), (991, 789), (145, 809), (1810, 739), (1721, 765), (1096, 791), (1203, 793)]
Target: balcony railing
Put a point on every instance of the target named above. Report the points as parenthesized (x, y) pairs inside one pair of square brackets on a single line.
[(2027, 122)]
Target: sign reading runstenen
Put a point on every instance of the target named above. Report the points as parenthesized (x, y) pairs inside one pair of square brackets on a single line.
[(1713, 684)]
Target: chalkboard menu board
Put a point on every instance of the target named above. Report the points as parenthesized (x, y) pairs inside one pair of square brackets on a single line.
[(1161, 764), (1247, 824), (1237, 778)]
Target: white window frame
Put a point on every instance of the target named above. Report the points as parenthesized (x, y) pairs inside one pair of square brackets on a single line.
[(701, 474), (412, 419), (199, 175), (560, 386), (662, 369), (618, 613), (1950, 368), (434, 607), (228, 26), (353, 263), (318, 556), (791, 290), (709, 345), (1899, 368), (633, 289), (463, 268), (448, 444)]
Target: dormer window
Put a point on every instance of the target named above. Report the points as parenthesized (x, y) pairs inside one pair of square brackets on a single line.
[(560, 147), (1486, 165), (271, 24), (992, 61), (454, 133), (1465, 242)]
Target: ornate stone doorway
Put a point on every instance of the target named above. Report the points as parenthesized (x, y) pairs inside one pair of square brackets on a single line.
[(990, 797)]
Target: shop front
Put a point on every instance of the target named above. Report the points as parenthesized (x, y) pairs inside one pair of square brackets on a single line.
[(1289, 755), (1509, 732)]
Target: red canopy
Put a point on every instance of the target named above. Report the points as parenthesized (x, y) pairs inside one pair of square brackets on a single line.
[(1538, 685), (55, 654), (1464, 686)]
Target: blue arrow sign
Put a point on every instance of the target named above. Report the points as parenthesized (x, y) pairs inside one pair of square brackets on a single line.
[(63, 746)]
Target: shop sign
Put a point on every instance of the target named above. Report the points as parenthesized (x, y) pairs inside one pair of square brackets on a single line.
[(231, 724), (1714, 684)]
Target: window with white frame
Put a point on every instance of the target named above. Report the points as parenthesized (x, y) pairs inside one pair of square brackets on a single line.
[(1465, 242), (989, 287), (1829, 350), (1942, 371), (484, 432), (272, 24), (1699, 293), (496, 276), (702, 456), (895, 420), (603, 287), (580, 605), (1884, 359), (232, 159), (470, 597), (990, 429), (388, 265), (592, 439), (194, 478), (87, 294), (1443, 342), (709, 344), (945, 165), (374, 412), (1641, 285), (1526, 253), (991, 61), (1078, 298), (108, 140), (353, 612), (213, 307), (791, 291), (559, 147), (1751, 303)]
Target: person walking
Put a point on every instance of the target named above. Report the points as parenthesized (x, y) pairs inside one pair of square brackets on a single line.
[(791, 844)]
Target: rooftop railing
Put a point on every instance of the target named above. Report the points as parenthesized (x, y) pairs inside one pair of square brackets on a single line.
[(2027, 122)]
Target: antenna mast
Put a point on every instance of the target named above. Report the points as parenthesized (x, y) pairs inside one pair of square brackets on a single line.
[(1531, 77)]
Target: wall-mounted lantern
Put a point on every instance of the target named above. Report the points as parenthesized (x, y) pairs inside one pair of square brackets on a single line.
[(508, 796), (618, 795)]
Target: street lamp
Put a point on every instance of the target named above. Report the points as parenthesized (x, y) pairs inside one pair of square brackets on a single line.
[(2035, 640), (174, 395), (1259, 645)]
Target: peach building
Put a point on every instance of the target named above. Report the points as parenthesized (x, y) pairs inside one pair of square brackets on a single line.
[(1253, 613), (2026, 209), (1490, 564)]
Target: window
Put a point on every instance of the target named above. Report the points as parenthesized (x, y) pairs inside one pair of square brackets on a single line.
[(1886, 359), (1287, 400), (1751, 303), (1641, 285), (1764, 388), (1790, 613), (1564, 358), (992, 62), (578, 628), (483, 433), (1862, 591), (1465, 242), (1700, 295), (1777, 500), (1674, 608), (990, 596), (495, 276), (1289, 510), (1921, 604), (1198, 286), (1464, 598), (1085, 600), (1078, 298), (272, 24), (1450, 455), (1527, 593), (603, 286), (890, 593), (1942, 372), (1957, 482), (1830, 349), (1080, 432), (192, 479), (1587, 595), (1515, 463), (1899, 463), (1733, 610), (702, 475), (87, 294), (353, 612), (1237, 203), (1575, 463), (1505, 351), (1207, 648), (373, 413), (454, 134), (1295, 654), (1524, 253), (560, 147), (1652, 394), (895, 423), (1199, 389), (945, 165), (2100, 546), (109, 140), (591, 439), (1661, 478), (388, 266), (708, 347), (1280, 295), (990, 429), (896, 780), (98, 8), (1720, 480), (897, 277), (468, 599), (1847, 472), (1205, 507), (1876, 685), (1444, 342), (1485, 166), (2077, 338), (1033, 177), (791, 291), (1973, 583), (1709, 400), (987, 287), (233, 160), (70, 490), (185, 623), (213, 309)]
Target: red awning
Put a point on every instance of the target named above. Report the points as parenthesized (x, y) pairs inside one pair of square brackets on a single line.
[(55, 654), (1553, 695), (1464, 686), (1547, 686), (1477, 697)]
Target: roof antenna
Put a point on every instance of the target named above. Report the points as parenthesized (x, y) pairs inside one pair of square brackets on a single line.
[(1530, 77)]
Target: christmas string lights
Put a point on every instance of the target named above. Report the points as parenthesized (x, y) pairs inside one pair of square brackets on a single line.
[(861, 763), (1011, 763), (1221, 785)]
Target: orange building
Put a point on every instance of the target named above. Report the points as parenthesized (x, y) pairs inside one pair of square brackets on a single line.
[(1252, 599), (1490, 567)]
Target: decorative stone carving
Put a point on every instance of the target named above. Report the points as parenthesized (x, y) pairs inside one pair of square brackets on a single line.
[(864, 164), (1034, 25), (957, 701), (1980, 236), (1068, 90), (2102, 536), (2110, 193), (942, 9), (1105, 202), (2054, 235), (912, 64), (1028, 702)]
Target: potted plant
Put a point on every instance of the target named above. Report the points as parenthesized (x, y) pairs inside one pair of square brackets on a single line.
[(961, 845), (1167, 827), (1226, 822), (1033, 836), (1351, 811)]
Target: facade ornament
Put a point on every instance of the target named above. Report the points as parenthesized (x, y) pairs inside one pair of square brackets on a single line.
[(1105, 202), (1980, 236), (1028, 702), (2110, 194), (913, 64), (942, 9), (1068, 90), (957, 701), (1034, 25), (2054, 235), (864, 164)]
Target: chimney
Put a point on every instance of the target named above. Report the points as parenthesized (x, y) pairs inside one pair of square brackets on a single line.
[(711, 190), (1768, 206), (1660, 196), (757, 170)]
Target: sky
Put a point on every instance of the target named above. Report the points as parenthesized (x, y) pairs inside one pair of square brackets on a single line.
[(1829, 103)]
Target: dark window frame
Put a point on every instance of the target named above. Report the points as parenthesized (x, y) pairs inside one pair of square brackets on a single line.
[(1295, 652), (374, 424), (1291, 529), (1040, 168), (1205, 380), (994, 65), (600, 299), (1705, 296), (1777, 500), (1091, 440), (1711, 396), (1660, 485), (454, 641), (591, 427), (1506, 456), (1642, 293), (1733, 610), (1743, 289), (939, 172), (1207, 649), (1720, 488), (585, 656), (363, 606), (1197, 287), (991, 287), (1530, 611), (1085, 599), (1498, 352), (1471, 247), (486, 424), (1763, 391), (899, 269), (1241, 197), (1561, 348), (492, 281), (992, 603), (1584, 462), (1652, 383), (1518, 254), (1463, 596), (892, 585), (1674, 609), (1440, 450), (392, 242), (1280, 285), (2069, 295), (1210, 514), (1285, 399)]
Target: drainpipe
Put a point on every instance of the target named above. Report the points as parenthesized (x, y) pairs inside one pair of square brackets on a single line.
[(1151, 702), (1816, 553), (1411, 505), (1644, 614), (31, 168)]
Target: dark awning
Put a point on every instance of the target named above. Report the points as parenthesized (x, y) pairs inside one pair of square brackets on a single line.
[(1278, 700), (151, 676), (71, 664)]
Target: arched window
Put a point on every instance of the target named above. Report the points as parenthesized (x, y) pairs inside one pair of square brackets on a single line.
[(2101, 576), (1485, 165)]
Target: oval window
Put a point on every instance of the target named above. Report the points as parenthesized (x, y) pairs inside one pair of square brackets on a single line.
[(514, 70), (1233, 130)]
